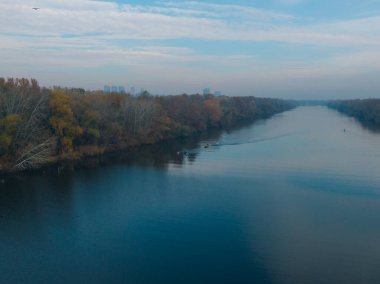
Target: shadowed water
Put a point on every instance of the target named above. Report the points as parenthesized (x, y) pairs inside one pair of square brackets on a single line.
[(292, 199)]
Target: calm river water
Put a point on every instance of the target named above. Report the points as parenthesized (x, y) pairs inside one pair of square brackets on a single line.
[(291, 199)]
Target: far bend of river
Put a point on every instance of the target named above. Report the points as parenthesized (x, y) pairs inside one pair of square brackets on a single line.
[(291, 199)]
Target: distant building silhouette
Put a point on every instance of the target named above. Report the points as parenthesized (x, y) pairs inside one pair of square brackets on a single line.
[(107, 89), (206, 91), (114, 89), (133, 91), (121, 90), (218, 93)]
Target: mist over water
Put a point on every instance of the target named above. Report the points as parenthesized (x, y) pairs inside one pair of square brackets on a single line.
[(291, 199)]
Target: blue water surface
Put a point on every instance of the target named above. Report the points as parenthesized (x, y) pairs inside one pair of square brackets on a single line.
[(291, 199)]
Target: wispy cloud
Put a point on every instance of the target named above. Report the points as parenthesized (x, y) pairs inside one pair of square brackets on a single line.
[(290, 2), (178, 20)]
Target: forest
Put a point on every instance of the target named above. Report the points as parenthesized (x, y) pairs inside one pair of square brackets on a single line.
[(366, 111), (40, 125)]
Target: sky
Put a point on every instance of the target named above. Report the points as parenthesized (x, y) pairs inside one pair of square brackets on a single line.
[(297, 49)]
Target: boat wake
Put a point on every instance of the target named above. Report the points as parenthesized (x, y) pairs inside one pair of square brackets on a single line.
[(259, 140)]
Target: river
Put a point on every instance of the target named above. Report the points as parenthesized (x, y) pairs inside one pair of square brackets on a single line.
[(291, 199)]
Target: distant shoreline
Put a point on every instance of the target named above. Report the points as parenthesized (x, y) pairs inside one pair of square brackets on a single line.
[(366, 111)]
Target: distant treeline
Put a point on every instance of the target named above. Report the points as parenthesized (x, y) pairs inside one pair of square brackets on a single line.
[(41, 125), (365, 111)]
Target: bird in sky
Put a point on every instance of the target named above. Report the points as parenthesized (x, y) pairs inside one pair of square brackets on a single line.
[(35, 8)]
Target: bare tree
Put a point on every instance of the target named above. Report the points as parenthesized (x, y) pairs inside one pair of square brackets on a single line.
[(139, 113), (30, 143)]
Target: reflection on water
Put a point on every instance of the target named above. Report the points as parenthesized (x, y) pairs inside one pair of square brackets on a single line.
[(292, 199)]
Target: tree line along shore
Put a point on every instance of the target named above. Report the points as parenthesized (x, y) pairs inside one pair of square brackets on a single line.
[(366, 111), (42, 125)]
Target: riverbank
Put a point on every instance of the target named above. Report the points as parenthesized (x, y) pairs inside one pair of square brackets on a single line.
[(85, 155), (40, 126), (366, 111)]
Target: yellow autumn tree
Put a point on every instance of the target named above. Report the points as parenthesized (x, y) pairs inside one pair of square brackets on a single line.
[(8, 128), (213, 111), (62, 121)]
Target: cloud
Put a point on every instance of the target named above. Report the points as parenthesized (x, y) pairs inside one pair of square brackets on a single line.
[(192, 20), (230, 10), (290, 2), (71, 35)]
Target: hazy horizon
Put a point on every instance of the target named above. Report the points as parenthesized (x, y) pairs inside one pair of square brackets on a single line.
[(296, 49)]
